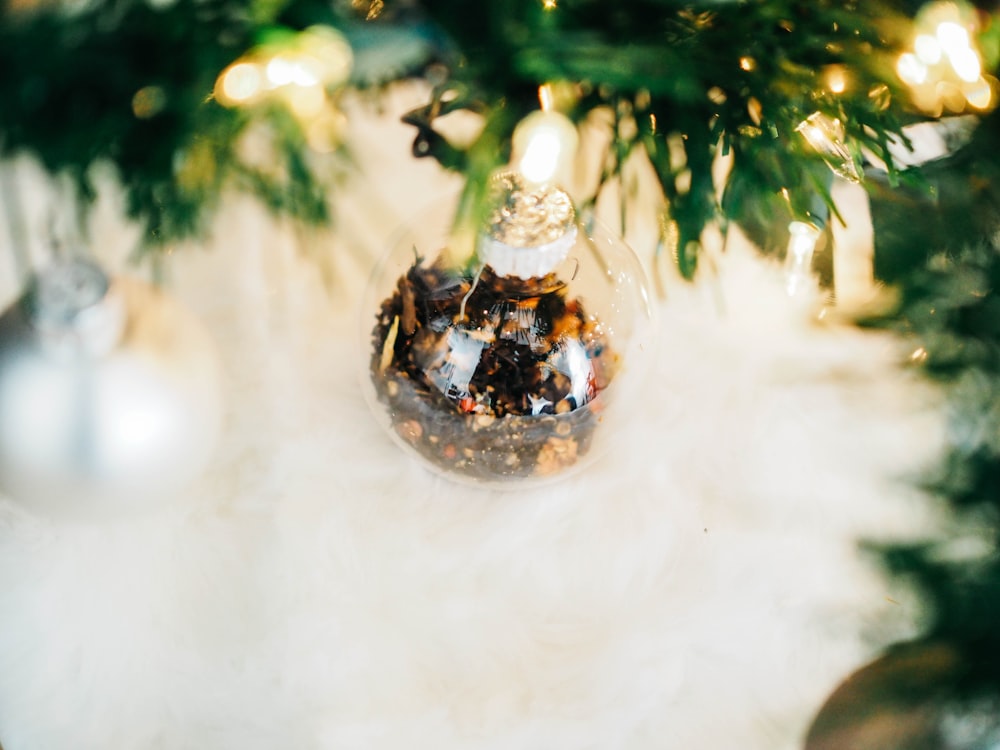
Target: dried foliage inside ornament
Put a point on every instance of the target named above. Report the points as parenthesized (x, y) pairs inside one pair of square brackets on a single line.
[(492, 377)]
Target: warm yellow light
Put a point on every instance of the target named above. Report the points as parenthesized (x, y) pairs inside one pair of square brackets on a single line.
[(279, 71), (546, 97), (945, 70), (980, 94), (950, 95), (826, 135), (282, 70), (305, 101), (952, 36), (803, 237), (541, 156), (238, 83), (319, 56), (549, 4), (966, 63), (821, 131), (544, 143), (298, 72), (802, 240), (747, 63), (836, 79), (910, 69), (928, 49)]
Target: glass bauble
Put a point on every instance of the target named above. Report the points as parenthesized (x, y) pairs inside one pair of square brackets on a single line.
[(511, 352), (110, 394)]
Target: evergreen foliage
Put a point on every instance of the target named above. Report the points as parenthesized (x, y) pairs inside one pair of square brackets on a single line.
[(130, 82)]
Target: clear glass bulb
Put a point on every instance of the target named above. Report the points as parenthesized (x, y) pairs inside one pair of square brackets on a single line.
[(488, 372)]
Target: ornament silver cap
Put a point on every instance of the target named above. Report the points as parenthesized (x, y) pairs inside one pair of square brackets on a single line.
[(529, 230), (75, 310)]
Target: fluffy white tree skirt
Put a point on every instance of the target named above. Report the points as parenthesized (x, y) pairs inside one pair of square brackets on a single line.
[(699, 587)]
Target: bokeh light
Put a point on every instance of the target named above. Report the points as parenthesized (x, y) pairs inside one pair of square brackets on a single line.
[(303, 72), (945, 69)]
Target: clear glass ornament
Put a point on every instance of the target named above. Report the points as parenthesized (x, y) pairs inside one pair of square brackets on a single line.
[(512, 352)]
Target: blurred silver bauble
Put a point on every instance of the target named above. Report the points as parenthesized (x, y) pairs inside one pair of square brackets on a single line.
[(110, 396)]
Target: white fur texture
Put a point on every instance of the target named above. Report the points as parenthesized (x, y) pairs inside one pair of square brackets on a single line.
[(698, 588)]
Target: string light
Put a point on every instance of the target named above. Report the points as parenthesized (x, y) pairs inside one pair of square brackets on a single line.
[(928, 49), (836, 78), (826, 135), (911, 69), (945, 68), (300, 72), (802, 239), (544, 142), (239, 83)]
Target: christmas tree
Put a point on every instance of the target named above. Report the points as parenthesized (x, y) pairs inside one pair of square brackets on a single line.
[(726, 121)]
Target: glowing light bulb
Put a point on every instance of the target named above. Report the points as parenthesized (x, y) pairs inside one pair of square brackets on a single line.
[(928, 49), (802, 239), (305, 73), (910, 69), (544, 143), (966, 64), (239, 83), (306, 101), (546, 97), (826, 135), (279, 71), (952, 36), (541, 157), (980, 94), (836, 79)]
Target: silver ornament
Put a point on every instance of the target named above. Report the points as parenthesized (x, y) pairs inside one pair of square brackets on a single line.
[(109, 394)]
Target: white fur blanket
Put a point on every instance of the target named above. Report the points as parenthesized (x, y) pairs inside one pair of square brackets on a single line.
[(700, 587)]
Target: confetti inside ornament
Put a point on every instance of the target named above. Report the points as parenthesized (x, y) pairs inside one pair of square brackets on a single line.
[(512, 361), (109, 394)]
